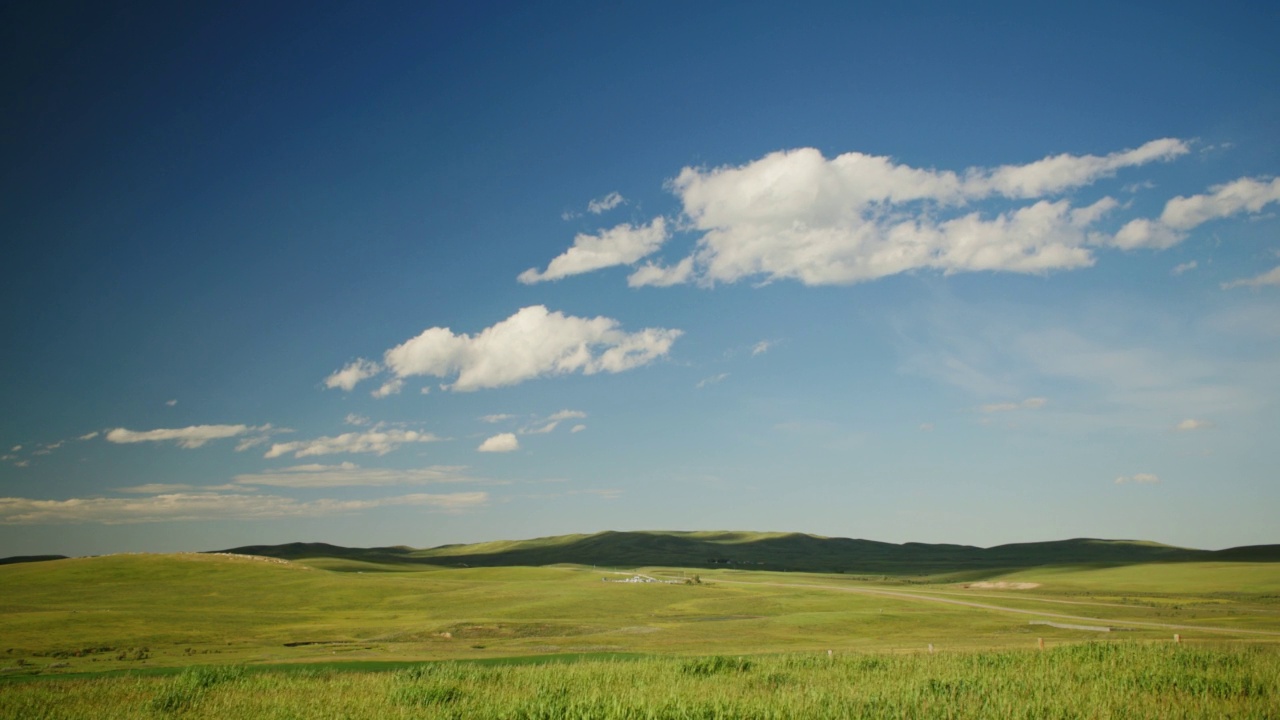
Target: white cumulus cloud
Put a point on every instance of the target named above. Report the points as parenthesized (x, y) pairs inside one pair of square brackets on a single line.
[(532, 343), (798, 215), (795, 214), (376, 441), (1182, 214), (621, 245), (501, 443)]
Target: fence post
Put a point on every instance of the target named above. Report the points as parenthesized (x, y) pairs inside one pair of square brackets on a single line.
[(1041, 643), (930, 648), (1177, 638)]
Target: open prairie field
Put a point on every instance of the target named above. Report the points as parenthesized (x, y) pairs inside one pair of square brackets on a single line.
[(121, 630), (134, 611)]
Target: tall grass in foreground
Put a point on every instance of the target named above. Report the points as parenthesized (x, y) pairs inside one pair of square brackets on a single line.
[(1100, 680)]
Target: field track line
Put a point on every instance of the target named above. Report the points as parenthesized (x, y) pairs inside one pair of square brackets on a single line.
[(998, 608)]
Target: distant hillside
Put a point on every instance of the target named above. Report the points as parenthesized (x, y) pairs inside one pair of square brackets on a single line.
[(30, 558), (771, 551)]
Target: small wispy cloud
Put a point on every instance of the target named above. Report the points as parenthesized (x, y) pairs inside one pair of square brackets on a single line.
[(376, 441), (761, 347), (606, 203), (1138, 478), (89, 436), (163, 488), (207, 506), (500, 443), (1031, 403), (620, 245), (351, 375), (497, 417), (926, 427), (171, 403), (577, 428), (351, 475), (714, 379), (188, 437), (1192, 424), (388, 388), (1270, 277), (1184, 267), (551, 422)]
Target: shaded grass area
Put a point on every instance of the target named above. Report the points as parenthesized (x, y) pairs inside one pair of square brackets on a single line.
[(1129, 680), (322, 667)]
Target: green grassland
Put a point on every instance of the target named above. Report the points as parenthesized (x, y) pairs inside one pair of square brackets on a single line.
[(1095, 680), (79, 623), (132, 611)]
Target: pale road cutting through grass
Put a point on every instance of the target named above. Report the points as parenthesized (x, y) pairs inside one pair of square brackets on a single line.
[(998, 608)]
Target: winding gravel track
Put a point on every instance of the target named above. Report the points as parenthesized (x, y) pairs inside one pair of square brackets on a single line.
[(998, 608)]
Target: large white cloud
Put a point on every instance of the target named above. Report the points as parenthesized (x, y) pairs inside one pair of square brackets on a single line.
[(187, 437), (798, 215), (532, 343), (193, 506), (856, 217), (379, 442), (620, 245)]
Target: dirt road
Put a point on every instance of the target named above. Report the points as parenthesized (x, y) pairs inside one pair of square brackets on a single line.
[(998, 608)]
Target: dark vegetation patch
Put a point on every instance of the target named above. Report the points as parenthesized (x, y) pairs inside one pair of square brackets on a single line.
[(789, 551)]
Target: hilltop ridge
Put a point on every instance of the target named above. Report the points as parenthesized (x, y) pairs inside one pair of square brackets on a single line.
[(771, 551)]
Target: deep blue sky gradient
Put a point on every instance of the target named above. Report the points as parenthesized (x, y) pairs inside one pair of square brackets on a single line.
[(224, 203)]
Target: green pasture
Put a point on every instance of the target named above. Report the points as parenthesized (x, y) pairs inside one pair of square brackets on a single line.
[(1096, 680), (146, 611)]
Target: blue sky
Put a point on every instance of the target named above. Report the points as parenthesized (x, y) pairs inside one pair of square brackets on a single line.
[(413, 273)]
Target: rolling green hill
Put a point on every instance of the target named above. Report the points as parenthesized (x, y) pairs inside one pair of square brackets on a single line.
[(770, 551)]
